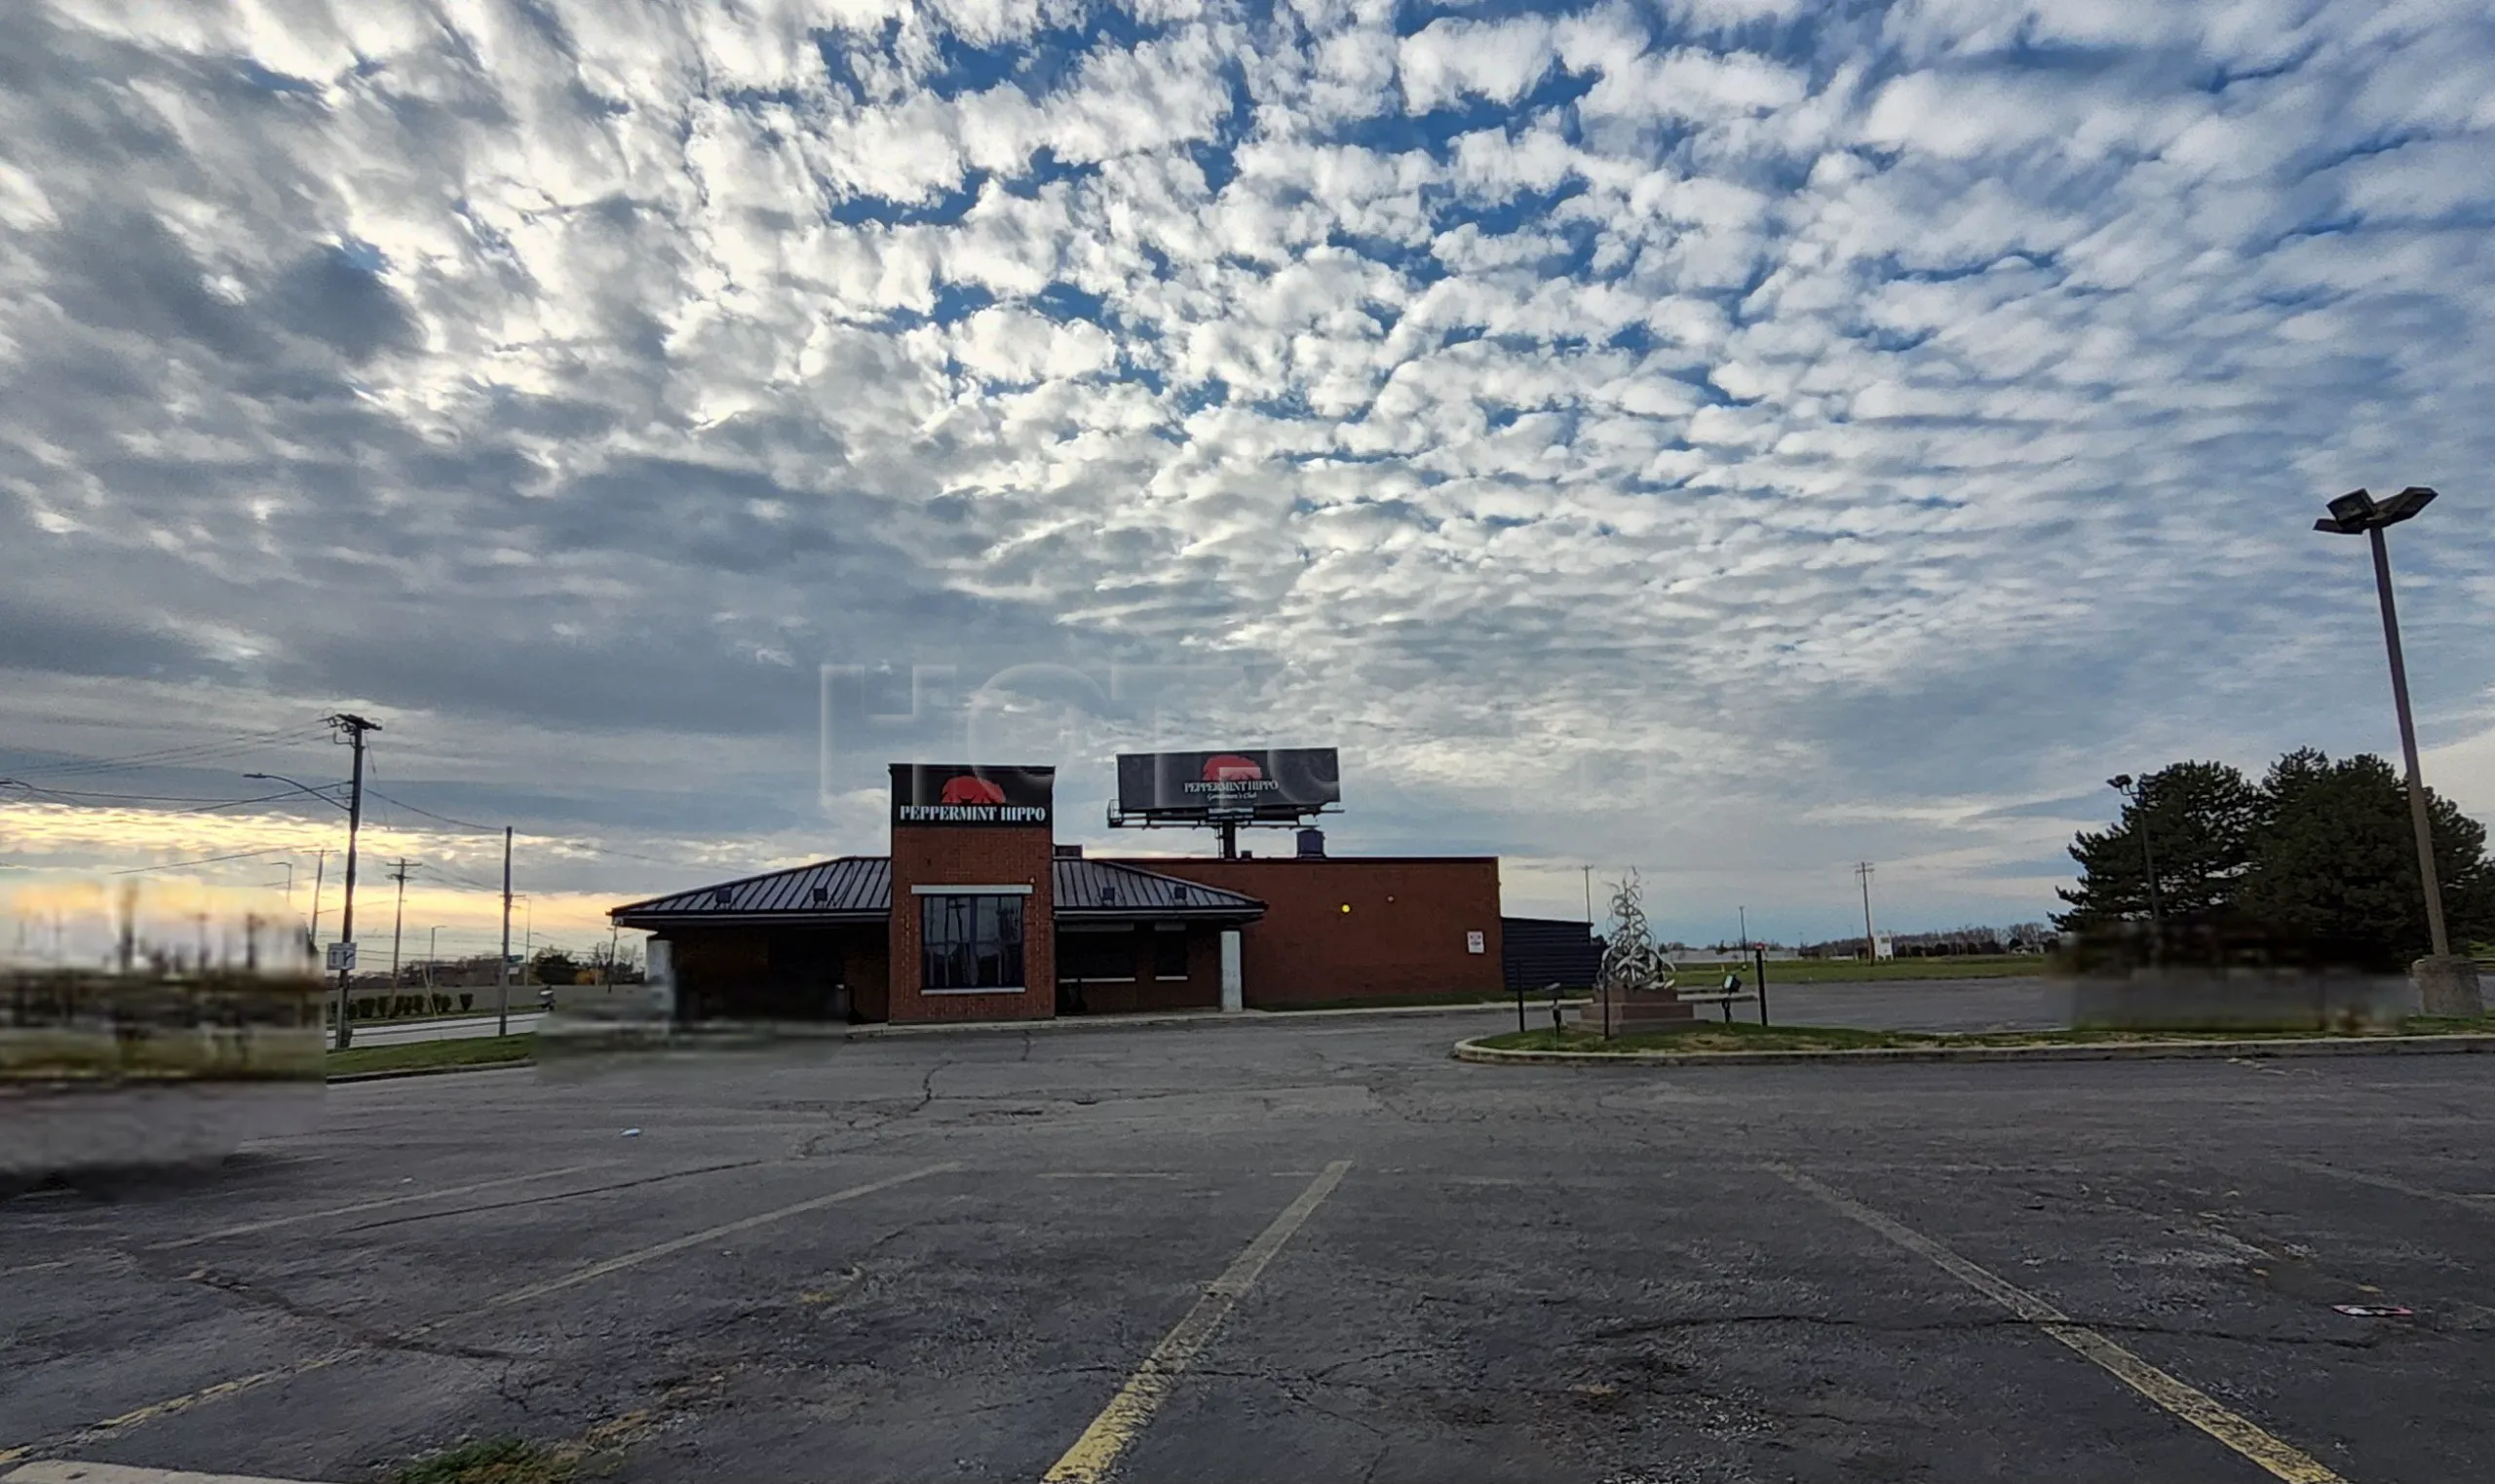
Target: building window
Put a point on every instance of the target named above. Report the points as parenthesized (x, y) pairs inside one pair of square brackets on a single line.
[(1094, 956), (1169, 953), (972, 942)]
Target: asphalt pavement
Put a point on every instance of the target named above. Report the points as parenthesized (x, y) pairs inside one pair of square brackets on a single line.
[(1295, 1249)]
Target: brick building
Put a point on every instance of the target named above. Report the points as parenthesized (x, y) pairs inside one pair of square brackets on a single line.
[(978, 914)]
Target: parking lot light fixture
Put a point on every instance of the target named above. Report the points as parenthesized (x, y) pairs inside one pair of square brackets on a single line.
[(2359, 512), (2136, 791)]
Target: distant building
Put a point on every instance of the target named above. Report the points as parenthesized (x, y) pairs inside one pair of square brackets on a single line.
[(978, 914)]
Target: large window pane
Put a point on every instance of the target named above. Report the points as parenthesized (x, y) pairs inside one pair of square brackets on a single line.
[(972, 941)]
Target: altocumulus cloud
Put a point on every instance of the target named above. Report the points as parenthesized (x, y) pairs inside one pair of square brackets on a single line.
[(1727, 438)]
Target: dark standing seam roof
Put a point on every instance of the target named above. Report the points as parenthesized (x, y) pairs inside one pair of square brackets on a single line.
[(854, 888), (853, 885), (1098, 889)]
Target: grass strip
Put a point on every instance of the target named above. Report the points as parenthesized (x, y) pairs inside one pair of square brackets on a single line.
[(1738, 1037), (1855, 971), (494, 1461), (463, 1052)]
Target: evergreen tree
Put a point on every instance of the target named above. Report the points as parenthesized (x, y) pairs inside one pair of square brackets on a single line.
[(2200, 820), (2334, 859)]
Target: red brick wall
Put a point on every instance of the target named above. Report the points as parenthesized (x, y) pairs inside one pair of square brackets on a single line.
[(1200, 989), (1404, 936), (938, 855)]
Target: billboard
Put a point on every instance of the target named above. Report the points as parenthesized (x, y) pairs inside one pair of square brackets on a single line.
[(967, 793), (1246, 784)]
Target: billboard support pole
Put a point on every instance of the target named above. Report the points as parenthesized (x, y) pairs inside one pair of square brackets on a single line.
[(1229, 839)]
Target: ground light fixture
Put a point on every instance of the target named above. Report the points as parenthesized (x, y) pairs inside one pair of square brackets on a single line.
[(2359, 512)]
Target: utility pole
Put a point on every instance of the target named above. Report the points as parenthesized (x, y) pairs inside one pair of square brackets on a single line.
[(1590, 894), (398, 921), (502, 996), (1870, 942), (614, 931), (1746, 929), (353, 727), (433, 950)]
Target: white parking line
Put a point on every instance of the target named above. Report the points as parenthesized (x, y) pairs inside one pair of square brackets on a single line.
[(113, 1426), (2484, 1206), (710, 1233), (245, 1228), (2192, 1405)]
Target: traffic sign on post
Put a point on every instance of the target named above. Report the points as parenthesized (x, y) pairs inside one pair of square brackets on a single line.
[(342, 958)]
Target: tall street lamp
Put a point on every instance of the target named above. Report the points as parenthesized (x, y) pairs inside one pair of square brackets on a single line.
[(2138, 793), (2446, 985)]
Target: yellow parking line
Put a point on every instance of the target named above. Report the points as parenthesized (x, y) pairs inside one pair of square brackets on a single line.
[(113, 1426), (1124, 1417), (64, 1471), (2193, 1406)]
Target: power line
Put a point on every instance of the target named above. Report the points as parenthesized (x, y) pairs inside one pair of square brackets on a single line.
[(265, 798), (271, 849), (490, 829), (132, 798), (456, 878), (169, 756)]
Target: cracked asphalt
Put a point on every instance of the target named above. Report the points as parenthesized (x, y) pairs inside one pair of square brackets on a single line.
[(939, 1256)]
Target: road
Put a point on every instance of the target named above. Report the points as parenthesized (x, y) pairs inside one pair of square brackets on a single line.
[(943, 1256), (1896, 1004)]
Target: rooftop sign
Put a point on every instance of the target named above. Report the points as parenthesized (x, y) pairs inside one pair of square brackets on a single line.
[(1268, 783), (966, 793)]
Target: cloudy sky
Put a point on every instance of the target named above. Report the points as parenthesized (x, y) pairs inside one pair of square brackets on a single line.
[(1729, 438)]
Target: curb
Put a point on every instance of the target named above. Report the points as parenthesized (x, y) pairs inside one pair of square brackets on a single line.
[(504, 1065), (2115, 1050), (1200, 1017)]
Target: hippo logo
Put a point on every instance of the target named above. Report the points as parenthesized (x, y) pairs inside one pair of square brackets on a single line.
[(1231, 768), (969, 788)]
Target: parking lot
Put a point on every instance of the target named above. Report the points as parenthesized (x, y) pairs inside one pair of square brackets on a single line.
[(1295, 1249)]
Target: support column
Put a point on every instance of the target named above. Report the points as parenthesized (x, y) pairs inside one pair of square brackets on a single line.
[(1233, 985)]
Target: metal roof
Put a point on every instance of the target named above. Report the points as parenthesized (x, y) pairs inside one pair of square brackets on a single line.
[(853, 888), (1101, 889), (859, 889)]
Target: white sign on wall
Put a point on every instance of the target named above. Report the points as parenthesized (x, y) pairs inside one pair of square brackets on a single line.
[(1474, 943)]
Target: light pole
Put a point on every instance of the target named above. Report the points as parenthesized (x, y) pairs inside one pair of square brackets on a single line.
[(432, 941), (2447, 984), (2137, 792)]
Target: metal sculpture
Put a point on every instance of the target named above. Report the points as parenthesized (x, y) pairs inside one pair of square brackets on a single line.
[(1631, 963)]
